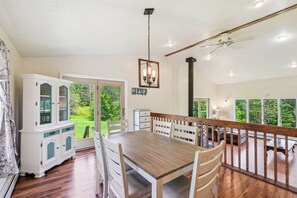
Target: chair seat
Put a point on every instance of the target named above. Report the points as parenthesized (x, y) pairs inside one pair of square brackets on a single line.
[(177, 188), (137, 185)]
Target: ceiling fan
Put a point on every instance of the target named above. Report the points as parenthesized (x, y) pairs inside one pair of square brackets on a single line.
[(226, 41)]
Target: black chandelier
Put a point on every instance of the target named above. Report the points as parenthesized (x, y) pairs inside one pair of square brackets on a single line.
[(149, 70)]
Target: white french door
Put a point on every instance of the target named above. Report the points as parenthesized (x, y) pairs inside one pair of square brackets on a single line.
[(92, 104)]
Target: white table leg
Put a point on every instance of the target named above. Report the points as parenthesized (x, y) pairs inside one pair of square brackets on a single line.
[(157, 189)]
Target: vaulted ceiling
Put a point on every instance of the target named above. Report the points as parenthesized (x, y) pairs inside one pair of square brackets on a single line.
[(117, 27)]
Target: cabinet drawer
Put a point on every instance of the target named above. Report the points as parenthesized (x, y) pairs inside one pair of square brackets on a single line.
[(145, 119), (51, 133), (67, 129), (145, 125), (144, 113)]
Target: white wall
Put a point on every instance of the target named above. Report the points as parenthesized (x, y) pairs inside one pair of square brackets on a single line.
[(203, 88), (270, 88), (123, 68)]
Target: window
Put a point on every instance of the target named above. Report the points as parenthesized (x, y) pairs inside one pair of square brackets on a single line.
[(270, 112), (201, 107), (276, 112), (288, 112), (240, 110), (255, 111)]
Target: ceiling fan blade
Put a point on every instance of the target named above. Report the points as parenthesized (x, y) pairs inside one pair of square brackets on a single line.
[(243, 39), (210, 45), (215, 49), (236, 46)]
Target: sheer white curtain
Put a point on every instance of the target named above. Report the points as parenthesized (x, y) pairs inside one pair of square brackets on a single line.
[(8, 165)]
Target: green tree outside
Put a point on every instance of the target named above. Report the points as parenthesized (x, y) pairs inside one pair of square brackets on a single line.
[(240, 110)]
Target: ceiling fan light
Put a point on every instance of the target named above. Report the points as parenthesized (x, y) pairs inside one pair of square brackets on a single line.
[(258, 4), (170, 44), (208, 57), (282, 37)]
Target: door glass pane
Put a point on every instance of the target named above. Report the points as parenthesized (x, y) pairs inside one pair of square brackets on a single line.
[(82, 109), (288, 110), (203, 107), (200, 107), (50, 150), (240, 110), (110, 105), (68, 143), (255, 111), (195, 109), (63, 103), (270, 112), (45, 104)]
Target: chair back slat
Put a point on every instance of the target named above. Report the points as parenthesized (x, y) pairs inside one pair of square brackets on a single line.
[(185, 133), (205, 178), (209, 190), (162, 128), (116, 167), (209, 165), (206, 172), (117, 126), (100, 159), (100, 155)]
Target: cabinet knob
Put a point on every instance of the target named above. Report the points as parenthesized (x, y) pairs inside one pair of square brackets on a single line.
[(57, 147), (53, 103), (64, 145)]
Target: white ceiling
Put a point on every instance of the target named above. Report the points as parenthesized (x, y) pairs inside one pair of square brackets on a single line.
[(117, 27)]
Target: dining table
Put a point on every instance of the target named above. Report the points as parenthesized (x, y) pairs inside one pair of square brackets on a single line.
[(157, 158)]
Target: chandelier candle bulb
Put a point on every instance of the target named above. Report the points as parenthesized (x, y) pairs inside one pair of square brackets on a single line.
[(144, 72), (153, 73), (149, 70)]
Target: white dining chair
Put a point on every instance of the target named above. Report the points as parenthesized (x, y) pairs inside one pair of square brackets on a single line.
[(121, 183), (205, 177), (184, 133), (162, 128), (101, 163), (117, 126)]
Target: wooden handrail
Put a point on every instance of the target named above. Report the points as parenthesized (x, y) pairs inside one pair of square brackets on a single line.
[(231, 124), (258, 135)]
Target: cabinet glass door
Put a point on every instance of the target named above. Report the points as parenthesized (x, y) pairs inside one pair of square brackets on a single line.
[(63, 103), (45, 104)]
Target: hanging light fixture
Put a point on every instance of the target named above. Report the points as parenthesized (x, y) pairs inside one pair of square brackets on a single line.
[(148, 69)]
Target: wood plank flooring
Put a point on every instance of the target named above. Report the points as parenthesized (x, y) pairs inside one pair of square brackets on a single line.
[(77, 178), (270, 161)]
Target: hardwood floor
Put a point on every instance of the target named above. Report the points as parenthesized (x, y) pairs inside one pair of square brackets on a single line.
[(270, 161), (76, 178)]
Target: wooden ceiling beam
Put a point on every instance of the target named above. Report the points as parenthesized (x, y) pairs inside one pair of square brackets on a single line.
[(293, 7)]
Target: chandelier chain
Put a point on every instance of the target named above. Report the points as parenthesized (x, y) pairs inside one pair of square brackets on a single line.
[(149, 35)]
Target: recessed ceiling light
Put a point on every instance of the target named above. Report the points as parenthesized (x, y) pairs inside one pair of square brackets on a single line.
[(258, 4), (294, 65), (208, 57), (170, 44), (231, 74), (282, 37)]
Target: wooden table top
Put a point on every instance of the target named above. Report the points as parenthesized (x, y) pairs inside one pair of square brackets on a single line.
[(157, 155)]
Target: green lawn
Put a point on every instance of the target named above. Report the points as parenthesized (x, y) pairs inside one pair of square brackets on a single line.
[(82, 120)]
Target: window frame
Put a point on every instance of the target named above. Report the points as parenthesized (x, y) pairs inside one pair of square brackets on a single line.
[(279, 119)]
